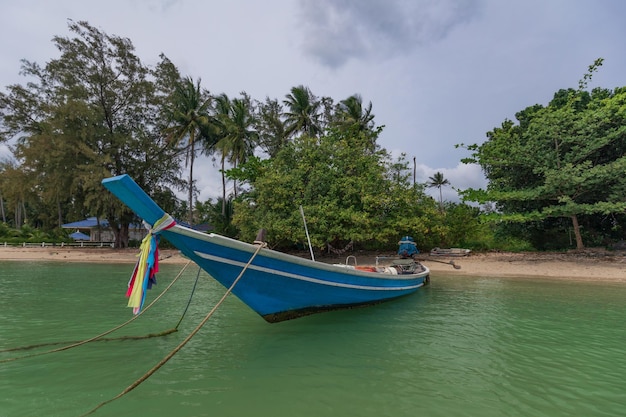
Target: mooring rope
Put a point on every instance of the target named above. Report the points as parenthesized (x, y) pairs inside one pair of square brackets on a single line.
[(193, 290), (101, 335), (184, 342)]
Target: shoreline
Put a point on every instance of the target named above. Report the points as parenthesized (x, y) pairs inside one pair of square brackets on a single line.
[(590, 265)]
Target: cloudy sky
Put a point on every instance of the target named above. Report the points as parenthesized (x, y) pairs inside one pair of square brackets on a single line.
[(438, 72)]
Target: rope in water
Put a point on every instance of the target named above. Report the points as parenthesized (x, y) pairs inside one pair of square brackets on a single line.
[(193, 291), (184, 342), (101, 335)]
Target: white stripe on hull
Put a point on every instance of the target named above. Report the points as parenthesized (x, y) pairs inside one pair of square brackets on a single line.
[(301, 277)]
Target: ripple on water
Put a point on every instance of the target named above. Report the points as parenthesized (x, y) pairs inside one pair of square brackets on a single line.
[(464, 346)]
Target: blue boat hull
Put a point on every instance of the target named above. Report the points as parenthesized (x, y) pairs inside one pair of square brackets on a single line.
[(277, 286)]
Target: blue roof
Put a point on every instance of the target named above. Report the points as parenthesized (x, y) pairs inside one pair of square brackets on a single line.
[(89, 222), (79, 236), (92, 223)]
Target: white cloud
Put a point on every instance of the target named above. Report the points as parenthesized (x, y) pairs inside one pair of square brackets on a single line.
[(461, 177)]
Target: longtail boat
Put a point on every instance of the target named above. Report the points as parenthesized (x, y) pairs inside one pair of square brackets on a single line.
[(276, 285)]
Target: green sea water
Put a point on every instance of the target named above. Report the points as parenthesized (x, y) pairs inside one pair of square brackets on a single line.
[(464, 346)]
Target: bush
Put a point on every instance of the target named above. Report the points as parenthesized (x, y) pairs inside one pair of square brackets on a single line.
[(512, 244), (28, 234)]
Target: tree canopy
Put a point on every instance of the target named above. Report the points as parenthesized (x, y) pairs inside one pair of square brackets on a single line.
[(345, 189), (94, 112), (564, 160)]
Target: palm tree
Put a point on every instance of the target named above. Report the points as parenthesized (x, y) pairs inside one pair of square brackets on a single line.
[(303, 112), (237, 137), (351, 112), (242, 136), (234, 121), (351, 115), (222, 125), (438, 181), (189, 118), (214, 214)]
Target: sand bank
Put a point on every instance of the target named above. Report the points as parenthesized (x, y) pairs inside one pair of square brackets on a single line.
[(586, 265)]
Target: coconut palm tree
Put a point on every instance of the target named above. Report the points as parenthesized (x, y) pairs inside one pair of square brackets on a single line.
[(351, 112), (222, 125), (189, 119), (302, 113), (438, 181), (351, 115), (242, 135), (235, 122)]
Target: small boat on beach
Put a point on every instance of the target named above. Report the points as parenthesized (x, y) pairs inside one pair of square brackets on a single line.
[(276, 285), (450, 252)]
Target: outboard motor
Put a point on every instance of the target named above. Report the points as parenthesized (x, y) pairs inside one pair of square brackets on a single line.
[(407, 247)]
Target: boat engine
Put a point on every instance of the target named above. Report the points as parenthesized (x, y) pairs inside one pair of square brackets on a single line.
[(407, 247)]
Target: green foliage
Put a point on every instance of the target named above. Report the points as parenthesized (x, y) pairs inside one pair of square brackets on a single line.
[(302, 113), (270, 127), (513, 244), (347, 191), (189, 120), (6, 231), (565, 160), (93, 112), (29, 234), (350, 114), (217, 215), (237, 137)]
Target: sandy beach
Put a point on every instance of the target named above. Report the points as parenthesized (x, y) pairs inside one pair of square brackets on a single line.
[(590, 265)]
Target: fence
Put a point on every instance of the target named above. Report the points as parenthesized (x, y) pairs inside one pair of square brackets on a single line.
[(63, 244)]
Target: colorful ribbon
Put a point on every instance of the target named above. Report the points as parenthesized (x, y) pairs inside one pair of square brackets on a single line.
[(144, 274)]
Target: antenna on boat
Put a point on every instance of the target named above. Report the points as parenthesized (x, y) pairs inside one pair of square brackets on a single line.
[(306, 229)]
